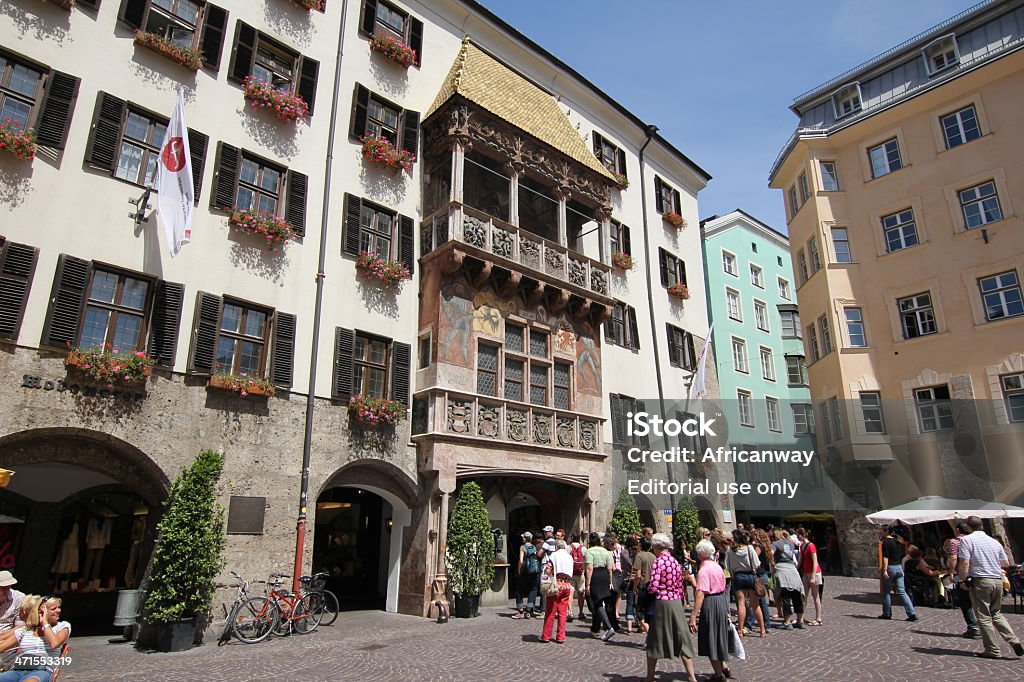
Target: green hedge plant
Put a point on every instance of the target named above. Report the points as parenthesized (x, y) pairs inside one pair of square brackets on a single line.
[(626, 519), (469, 556), (686, 522)]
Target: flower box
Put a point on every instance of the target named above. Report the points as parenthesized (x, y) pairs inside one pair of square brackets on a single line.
[(394, 49), (274, 229), (623, 261), (375, 411), (317, 5), (21, 143), (621, 181), (379, 150), (674, 219), (108, 367), (287, 107), (190, 59), (679, 291), (242, 385), (390, 273)]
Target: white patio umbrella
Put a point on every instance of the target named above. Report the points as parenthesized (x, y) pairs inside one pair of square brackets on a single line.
[(935, 508)]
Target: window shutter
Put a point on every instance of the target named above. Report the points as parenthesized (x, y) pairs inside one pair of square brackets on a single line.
[(205, 328), (344, 349), (663, 266), (673, 349), (353, 208), (676, 205), (133, 11), (163, 340), (658, 203), (66, 299), (58, 105), (691, 355), (634, 332), (284, 350), (416, 38), (682, 272), (609, 334), (225, 180), (17, 265), (296, 209), (243, 53), (360, 102), (214, 24), (641, 406), (620, 161), (618, 432), (625, 243), (106, 132), (369, 18), (401, 360), (197, 151), (597, 145), (411, 131), (406, 243), (308, 70)]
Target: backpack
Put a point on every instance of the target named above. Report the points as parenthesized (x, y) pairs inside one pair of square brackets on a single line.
[(532, 563), (577, 559)]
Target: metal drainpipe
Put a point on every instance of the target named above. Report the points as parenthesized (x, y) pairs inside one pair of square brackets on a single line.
[(314, 350), (650, 131)]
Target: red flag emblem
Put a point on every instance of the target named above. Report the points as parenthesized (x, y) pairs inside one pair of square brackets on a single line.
[(173, 154)]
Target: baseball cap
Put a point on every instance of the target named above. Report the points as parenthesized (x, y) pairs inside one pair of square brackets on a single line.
[(549, 529), (528, 535), (6, 579)]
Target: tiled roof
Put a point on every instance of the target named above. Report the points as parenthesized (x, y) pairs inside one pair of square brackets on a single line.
[(490, 84)]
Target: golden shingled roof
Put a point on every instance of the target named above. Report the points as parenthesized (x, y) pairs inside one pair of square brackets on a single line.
[(487, 82)]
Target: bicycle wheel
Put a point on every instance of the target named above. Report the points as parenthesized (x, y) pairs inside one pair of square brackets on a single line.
[(283, 624), (331, 608), (307, 616), (253, 620)]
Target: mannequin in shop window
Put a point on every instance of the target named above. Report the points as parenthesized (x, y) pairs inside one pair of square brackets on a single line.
[(138, 535), (97, 537), (66, 564)]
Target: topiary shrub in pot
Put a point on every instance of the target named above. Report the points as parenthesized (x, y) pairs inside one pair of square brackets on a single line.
[(469, 555), (686, 523), (189, 554), (626, 519)]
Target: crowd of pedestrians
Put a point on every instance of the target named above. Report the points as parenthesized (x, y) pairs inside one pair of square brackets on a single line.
[(32, 635)]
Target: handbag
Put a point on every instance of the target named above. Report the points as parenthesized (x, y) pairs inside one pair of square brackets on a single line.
[(549, 586), (736, 643), (760, 589)]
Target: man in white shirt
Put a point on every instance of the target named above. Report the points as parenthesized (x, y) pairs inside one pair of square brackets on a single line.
[(10, 601), (557, 606), (981, 559)]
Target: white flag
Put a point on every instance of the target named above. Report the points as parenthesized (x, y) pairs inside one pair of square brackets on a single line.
[(174, 181), (700, 388)]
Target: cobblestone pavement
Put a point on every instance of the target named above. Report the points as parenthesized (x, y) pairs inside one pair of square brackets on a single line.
[(852, 645)]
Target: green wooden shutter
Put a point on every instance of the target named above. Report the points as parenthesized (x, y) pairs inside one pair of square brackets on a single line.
[(166, 321), (17, 266), (66, 300), (283, 365)]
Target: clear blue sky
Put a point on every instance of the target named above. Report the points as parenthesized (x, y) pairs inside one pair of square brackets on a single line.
[(718, 77)]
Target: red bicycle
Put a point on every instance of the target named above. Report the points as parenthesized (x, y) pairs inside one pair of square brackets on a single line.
[(279, 612)]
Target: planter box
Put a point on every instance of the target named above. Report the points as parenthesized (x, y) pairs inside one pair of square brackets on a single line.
[(467, 607), (75, 362), (223, 384), (190, 59), (176, 636)]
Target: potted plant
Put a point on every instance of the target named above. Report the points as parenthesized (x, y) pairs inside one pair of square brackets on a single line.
[(189, 58), (272, 228), (621, 181), (189, 554), (390, 273), (623, 261), (16, 140), (242, 384), (674, 219), (317, 5), (686, 523), (286, 106), (626, 519), (106, 366), (469, 556), (370, 411), (394, 49), (379, 150), (679, 291)]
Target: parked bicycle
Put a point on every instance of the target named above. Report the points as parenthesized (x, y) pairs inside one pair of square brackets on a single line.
[(320, 599), (290, 611), (246, 619)]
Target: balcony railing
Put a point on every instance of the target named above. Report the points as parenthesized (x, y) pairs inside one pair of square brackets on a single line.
[(516, 423), (502, 242)]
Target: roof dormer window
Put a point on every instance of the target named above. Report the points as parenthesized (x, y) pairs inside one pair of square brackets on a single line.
[(941, 54), (846, 100)]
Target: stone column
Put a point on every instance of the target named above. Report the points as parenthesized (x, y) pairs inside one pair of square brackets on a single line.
[(563, 198), (604, 231), (515, 170)]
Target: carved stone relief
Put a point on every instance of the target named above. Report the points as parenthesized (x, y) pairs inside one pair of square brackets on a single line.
[(529, 252), (542, 429), (566, 432), (554, 262), (459, 415), (502, 243), (487, 421), (578, 273), (588, 435), (474, 231), (515, 425), (598, 281)]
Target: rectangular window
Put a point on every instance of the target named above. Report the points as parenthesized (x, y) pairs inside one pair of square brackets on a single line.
[(739, 355), (846, 100), (20, 88), (837, 418), (803, 419), (805, 189), (941, 54), (380, 17), (680, 348), (1001, 295), (785, 293), (826, 334), (375, 230), (486, 369), (767, 364), (514, 335), (382, 119), (855, 327), (1013, 394), (917, 315), (259, 186), (374, 115), (621, 328), (812, 248), (246, 181), (885, 158), (761, 315), (826, 422), (115, 312), (871, 408), (756, 276), (137, 160), (812, 343), (538, 384), (900, 230), (801, 264), (774, 414), (829, 176), (729, 263), (796, 371), (610, 156), (960, 127), (934, 408), (424, 352), (619, 237), (665, 197), (841, 245), (732, 301), (790, 324), (745, 407), (265, 59), (560, 391), (980, 205), (242, 340), (539, 343), (514, 378), (673, 270), (794, 205)]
